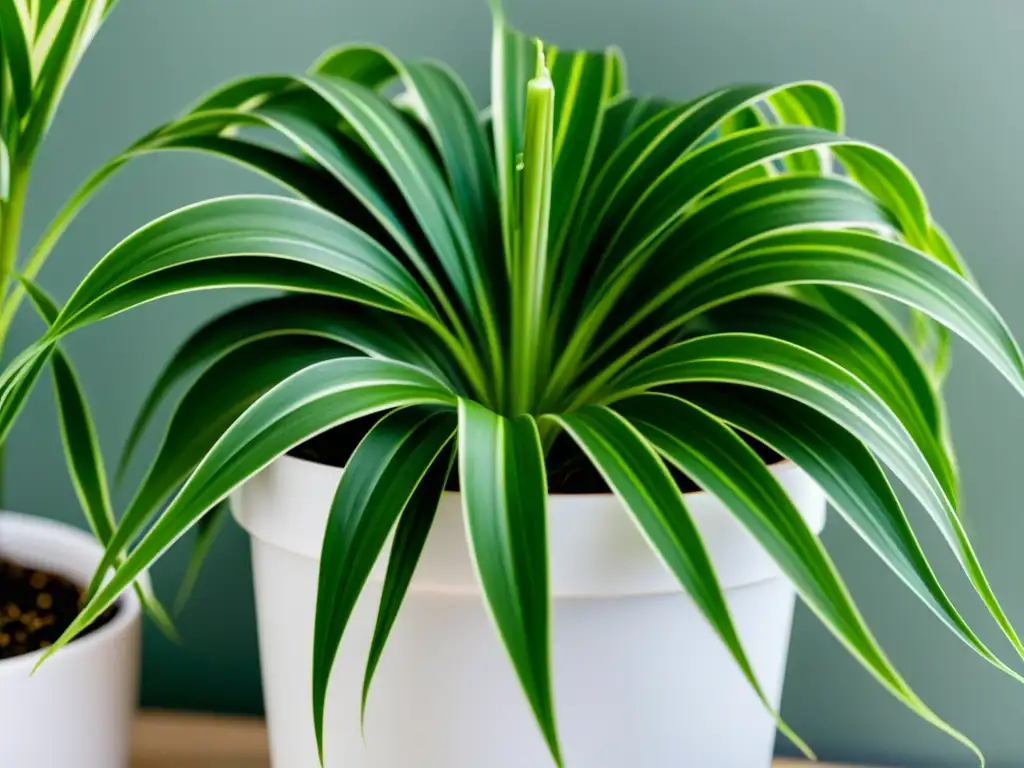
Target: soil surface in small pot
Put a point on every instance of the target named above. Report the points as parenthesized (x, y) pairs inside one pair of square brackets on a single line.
[(36, 607), (569, 471)]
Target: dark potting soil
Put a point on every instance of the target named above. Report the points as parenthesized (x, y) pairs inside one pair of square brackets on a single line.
[(36, 607), (569, 470)]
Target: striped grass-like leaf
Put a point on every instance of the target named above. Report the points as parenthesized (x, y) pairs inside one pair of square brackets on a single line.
[(575, 273), (85, 459), (379, 482)]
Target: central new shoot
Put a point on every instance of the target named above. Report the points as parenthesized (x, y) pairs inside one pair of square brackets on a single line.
[(530, 353)]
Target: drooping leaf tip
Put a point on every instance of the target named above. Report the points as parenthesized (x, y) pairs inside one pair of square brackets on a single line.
[(320, 741), (799, 743), (49, 652)]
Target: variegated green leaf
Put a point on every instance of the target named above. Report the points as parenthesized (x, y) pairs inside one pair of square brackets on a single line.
[(218, 397), (632, 469), (504, 497), (379, 482), (406, 548), (85, 459), (551, 259), (374, 333), (311, 401), (854, 482), (15, 38), (720, 462), (770, 364)]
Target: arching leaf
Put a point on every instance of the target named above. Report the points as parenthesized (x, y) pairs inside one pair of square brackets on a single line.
[(379, 482), (720, 462), (311, 401), (504, 497)]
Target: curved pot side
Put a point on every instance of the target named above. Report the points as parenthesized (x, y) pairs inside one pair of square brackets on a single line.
[(640, 678), (77, 709)]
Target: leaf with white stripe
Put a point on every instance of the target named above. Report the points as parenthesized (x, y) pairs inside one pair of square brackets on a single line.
[(380, 480), (217, 398), (765, 363), (375, 333), (315, 399), (406, 547), (85, 459), (584, 84), (708, 451), (637, 476), (402, 154), (15, 38), (844, 344), (504, 498), (855, 484), (863, 261), (270, 227), (513, 59)]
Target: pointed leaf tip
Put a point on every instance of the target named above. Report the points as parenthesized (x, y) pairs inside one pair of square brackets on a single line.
[(541, 68)]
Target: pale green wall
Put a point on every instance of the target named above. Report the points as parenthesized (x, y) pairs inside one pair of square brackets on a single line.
[(936, 81)]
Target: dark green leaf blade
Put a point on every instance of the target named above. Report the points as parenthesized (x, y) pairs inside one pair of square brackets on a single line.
[(840, 341), (880, 266), (15, 39), (85, 466), (871, 320), (639, 479), (504, 497), (585, 83), (375, 333), (378, 482), (199, 133), (450, 117), (311, 401), (854, 483), (789, 370), (856, 260), (406, 548), (720, 462), (218, 397), (368, 65), (403, 155), (255, 226), (512, 65), (84, 457), (654, 155), (82, 450), (660, 272), (19, 379), (207, 530)]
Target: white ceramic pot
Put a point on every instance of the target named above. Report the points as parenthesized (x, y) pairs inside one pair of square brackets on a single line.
[(640, 678), (76, 711)]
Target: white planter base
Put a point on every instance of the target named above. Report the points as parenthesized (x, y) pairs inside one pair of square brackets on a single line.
[(77, 710), (640, 678)]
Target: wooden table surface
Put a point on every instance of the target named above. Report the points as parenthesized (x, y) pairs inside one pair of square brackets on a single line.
[(172, 740)]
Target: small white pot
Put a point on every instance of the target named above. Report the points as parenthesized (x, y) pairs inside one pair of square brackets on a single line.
[(76, 711), (640, 678)]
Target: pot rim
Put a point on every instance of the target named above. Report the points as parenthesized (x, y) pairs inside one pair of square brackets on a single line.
[(595, 547), (68, 538)]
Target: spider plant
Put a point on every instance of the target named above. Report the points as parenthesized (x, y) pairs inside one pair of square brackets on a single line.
[(41, 45), (659, 285)]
